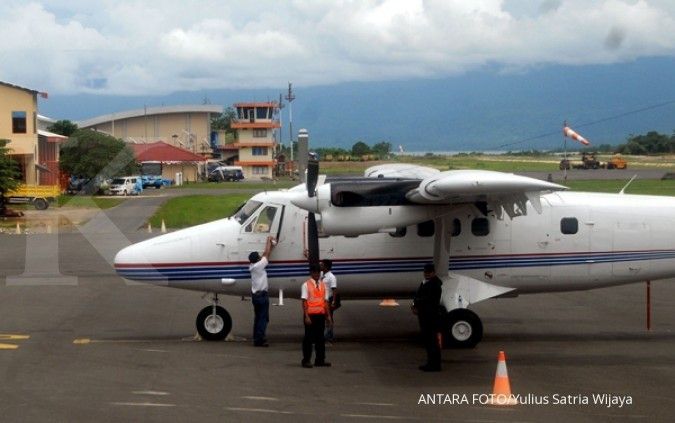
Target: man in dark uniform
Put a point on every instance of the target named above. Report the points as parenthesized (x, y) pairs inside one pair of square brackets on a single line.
[(426, 306)]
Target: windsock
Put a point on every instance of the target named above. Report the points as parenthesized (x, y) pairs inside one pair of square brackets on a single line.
[(569, 133)]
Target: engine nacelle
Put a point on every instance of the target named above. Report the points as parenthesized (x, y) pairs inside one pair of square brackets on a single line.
[(352, 221)]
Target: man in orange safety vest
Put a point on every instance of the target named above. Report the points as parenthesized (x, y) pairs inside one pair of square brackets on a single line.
[(316, 312)]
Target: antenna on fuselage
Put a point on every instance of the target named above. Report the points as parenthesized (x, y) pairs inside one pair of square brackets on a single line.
[(629, 182)]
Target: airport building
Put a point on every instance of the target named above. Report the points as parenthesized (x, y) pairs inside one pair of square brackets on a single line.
[(255, 144), (34, 148), (186, 127)]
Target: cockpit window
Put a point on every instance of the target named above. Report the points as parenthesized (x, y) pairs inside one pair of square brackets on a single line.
[(246, 211), (264, 222)]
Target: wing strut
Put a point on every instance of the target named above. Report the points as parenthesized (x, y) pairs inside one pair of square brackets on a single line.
[(458, 290)]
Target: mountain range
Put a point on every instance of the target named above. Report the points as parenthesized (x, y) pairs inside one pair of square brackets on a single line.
[(488, 109)]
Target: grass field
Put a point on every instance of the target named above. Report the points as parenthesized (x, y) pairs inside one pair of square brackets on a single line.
[(181, 212), (640, 186), (244, 186), (503, 163), (192, 210)]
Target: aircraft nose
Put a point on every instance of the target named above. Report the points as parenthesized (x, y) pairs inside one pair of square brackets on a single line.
[(128, 259)]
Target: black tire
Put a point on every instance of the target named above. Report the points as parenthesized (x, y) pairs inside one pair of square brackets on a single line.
[(463, 329), (40, 204), (211, 329)]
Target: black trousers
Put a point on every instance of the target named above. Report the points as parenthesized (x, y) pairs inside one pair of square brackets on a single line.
[(429, 332), (314, 336)]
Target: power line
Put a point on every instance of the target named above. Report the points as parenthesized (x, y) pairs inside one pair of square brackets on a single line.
[(595, 122)]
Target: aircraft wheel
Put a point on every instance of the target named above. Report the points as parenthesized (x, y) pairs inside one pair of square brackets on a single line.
[(214, 327), (463, 329)]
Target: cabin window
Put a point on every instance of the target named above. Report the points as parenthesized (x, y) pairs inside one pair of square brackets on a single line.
[(456, 227), (400, 232), (425, 229), (569, 225), (18, 122), (480, 226)]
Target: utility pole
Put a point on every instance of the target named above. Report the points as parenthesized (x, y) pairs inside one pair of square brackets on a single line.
[(281, 106), (290, 97)]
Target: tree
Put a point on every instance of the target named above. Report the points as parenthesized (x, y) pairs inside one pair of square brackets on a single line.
[(90, 154), (224, 120), (360, 148), (382, 149), (9, 173), (63, 127)]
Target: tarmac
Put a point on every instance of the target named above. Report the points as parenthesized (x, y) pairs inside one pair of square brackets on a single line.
[(78, 343)]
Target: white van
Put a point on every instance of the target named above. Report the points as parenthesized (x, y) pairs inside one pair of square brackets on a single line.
[(125, 185)]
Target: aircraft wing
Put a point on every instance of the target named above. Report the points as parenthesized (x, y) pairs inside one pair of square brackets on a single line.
[(400, 170), (502, 191), (377, 204)]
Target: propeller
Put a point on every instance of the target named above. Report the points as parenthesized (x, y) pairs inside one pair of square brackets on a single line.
[(312, 229)]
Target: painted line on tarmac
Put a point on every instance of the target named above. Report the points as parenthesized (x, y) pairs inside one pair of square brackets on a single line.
[(254, 398), (11, 337), (376, 404), (143, 404), (158, 393), (377, 416), (259, 410), (8, 347)]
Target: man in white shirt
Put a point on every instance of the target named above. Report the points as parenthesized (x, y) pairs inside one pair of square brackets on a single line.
[(333, 301), (259, 297)]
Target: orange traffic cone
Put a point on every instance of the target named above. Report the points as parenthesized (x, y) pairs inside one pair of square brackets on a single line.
[(501, 393), (389, 302)]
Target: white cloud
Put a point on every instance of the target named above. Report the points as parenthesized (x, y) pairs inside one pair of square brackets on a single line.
[(146, 47)]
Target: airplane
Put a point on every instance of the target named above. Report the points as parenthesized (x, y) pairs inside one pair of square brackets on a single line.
[(489, 234)]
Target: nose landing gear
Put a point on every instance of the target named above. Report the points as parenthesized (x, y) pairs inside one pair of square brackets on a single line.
[(214, 322)]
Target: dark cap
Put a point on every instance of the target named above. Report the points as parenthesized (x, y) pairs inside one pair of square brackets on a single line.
[(254, 257), (429, 267), (313, 268)]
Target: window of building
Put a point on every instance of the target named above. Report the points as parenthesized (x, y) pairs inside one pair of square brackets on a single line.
[(569, 225), (425, 229), (259, 151), (400, 232), (260, 170), (480, 226), (18, 122), (456, 227), (259, 133), (261, 113)]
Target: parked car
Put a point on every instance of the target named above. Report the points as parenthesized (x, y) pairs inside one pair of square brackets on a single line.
[(126, 185), (226, 173)]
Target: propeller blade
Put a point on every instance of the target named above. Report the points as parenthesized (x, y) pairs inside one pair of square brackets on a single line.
[(312, 240), (312, 176)]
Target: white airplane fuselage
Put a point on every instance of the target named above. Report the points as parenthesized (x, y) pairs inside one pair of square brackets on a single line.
[(612, 239)]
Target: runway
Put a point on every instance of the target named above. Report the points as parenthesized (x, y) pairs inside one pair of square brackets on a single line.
[(87, 346)]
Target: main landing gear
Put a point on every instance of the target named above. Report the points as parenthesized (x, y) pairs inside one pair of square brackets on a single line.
[(214, 322), (462, 329)]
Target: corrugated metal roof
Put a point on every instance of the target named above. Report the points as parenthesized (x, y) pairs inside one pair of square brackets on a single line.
[(149, 111)]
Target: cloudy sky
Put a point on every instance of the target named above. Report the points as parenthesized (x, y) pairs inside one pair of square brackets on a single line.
[(131, 47)]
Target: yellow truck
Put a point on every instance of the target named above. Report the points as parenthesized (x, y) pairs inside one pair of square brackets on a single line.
[(38, 195)]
